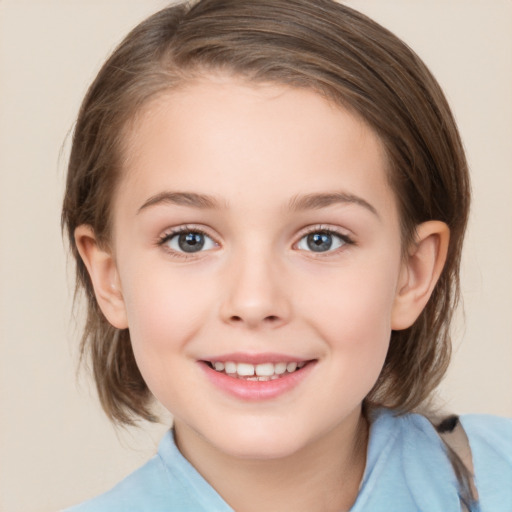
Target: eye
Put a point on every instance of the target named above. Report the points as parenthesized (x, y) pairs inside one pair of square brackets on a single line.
[(322, 241), (189, 241)]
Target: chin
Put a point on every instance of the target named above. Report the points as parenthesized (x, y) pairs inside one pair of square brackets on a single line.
[(272, 449), (259, 443)]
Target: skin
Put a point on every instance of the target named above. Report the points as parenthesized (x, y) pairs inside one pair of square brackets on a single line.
[(257, 287)]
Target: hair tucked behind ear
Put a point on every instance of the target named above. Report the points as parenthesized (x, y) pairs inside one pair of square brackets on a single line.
[(318, 44)]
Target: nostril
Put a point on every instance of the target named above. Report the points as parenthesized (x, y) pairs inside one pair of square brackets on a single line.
[(267, 319)]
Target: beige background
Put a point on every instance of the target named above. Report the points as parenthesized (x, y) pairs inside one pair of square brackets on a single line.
[(56, 448)]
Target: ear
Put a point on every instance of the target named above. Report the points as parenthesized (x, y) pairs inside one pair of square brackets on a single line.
[(102, 270), (420, 272)]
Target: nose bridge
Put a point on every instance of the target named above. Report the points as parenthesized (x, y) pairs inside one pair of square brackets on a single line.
[(254, 293)]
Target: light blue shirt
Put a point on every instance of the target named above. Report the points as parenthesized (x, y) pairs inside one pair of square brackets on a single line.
[(407, 470)]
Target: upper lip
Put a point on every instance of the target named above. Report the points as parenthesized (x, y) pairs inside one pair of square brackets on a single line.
[(238, 357)]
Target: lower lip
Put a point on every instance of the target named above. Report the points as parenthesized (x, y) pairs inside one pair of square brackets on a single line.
[(257, 390)]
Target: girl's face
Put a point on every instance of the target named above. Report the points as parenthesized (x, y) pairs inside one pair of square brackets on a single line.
[(255, 232)]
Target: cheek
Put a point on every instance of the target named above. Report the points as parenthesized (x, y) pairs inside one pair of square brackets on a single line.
[(354, 317), (165, 311), (354, 301)]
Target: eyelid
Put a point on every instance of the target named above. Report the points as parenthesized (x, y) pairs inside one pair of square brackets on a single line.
[(325, 228), (169, 233)]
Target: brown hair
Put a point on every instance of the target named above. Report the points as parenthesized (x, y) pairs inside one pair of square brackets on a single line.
[(318, 44)]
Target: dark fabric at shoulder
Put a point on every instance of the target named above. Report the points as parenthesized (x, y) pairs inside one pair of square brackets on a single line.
[(448, 424)]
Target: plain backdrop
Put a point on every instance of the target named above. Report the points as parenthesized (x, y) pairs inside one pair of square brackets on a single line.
[(56, 447)]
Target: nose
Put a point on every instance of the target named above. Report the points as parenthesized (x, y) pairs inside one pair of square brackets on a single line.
[(256, 293)]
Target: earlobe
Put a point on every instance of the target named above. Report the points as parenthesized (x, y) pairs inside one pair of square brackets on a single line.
[(102, 270), (420, 272)]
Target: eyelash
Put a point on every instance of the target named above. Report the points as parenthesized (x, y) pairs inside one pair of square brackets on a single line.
[(168, 235), (347, 239)]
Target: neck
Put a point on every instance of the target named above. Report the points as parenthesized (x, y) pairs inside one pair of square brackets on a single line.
[(325, 475)]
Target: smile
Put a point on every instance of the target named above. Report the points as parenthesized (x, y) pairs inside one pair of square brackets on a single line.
[(263, 378), (256, 372), (256, 377)]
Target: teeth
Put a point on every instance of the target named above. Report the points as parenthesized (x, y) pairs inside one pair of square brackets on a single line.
[(230, 367), (244, 369), (265, 370), (291, 367), (279, 368), (260, 372)]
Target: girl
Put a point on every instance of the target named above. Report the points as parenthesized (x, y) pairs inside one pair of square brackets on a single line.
[(266, 201)]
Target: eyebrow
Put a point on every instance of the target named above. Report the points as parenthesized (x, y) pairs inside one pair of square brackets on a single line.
[(323, 200), (297, 203), (192, 199)]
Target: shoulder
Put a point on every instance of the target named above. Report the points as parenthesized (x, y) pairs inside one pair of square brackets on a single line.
[(407, 468), (166, 483), (490, 439), (414, 457), (142, 490), (493, 432)]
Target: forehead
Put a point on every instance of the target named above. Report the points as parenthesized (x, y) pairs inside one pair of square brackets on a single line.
[(225, 137)]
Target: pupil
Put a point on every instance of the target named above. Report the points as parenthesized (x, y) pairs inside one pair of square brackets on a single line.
[(191, 242), (319, 242)]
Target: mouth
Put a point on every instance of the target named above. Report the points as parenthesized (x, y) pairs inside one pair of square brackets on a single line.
[(256, 377), (262, 372)]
